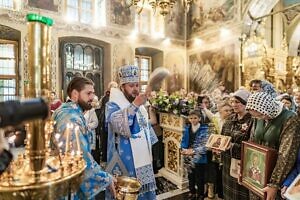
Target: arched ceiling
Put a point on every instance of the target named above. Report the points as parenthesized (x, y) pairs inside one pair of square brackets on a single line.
[(259, 8), (294, 41)]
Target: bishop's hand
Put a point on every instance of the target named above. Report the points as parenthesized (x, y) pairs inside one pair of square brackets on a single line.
[(140, 99)]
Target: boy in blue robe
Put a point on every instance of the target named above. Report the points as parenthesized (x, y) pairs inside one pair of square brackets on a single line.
[(194, 151)]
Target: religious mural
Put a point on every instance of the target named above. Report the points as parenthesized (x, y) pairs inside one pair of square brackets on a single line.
[(175, 22), (123, 54), (208, 69), (120, 13), (204, 14), (175, 63), (51, 5)]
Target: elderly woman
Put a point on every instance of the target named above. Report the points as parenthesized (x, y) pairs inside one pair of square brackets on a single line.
[(237, 126), (278, 128)]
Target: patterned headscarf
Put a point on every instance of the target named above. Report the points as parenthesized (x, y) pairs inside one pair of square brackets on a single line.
[(265, 104), (269, 88)]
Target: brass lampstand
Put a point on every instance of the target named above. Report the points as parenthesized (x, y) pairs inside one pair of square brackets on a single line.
[(41, 173)]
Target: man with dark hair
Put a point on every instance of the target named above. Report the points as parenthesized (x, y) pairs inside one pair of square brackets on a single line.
[(255, 85), (81, 93)]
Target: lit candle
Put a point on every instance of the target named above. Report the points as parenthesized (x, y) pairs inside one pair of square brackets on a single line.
[(62, 95), (68, 137), (77, 138)]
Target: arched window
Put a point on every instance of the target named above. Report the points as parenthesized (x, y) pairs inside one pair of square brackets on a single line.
[(83, 59)]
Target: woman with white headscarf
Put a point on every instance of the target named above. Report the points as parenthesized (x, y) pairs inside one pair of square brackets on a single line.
[(237, 126), (278, 128)]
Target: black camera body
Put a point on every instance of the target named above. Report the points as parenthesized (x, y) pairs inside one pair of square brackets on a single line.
[(15, 112)]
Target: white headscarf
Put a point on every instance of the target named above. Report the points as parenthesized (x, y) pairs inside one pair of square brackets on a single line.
[(265, 104)]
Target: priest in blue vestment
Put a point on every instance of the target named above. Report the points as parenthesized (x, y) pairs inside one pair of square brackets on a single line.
[(81, 93), (130, 135)]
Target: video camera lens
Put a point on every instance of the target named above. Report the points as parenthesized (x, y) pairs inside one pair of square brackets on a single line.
[(15, 112)]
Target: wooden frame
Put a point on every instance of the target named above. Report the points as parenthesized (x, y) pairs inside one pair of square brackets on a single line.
[(218, 142), (293, 191), (257, 165)]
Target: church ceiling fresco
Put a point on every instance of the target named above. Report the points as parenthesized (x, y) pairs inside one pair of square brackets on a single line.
[(175, 21), (120, 13), (50, 5), (204, 14)]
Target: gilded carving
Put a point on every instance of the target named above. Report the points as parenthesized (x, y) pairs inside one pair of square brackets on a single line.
[(171, 121), (53, 64), (172, 134), (173, 156)]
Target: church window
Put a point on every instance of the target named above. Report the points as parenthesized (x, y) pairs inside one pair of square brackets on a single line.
[(7, 4), (8, 69), (86, 11), (150, 23), (83, 59), (144, 63)]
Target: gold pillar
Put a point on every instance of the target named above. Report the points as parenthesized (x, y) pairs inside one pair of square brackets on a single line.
[(39, 83)]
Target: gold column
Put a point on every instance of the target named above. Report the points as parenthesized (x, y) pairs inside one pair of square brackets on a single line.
[(29, 177), (39, 83)]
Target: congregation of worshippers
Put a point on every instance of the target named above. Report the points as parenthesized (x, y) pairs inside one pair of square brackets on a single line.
[(257, 113), (150, 100)]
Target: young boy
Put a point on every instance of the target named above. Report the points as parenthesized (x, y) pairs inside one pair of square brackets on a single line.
[(194, 151)]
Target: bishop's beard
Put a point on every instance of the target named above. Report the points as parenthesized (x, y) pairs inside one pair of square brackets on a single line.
[(130, 97)]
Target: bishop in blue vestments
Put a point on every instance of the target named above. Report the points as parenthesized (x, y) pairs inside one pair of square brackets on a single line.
[(130, 135)]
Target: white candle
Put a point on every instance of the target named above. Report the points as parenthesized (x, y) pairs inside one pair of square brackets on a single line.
[(68, 137), (77, 138)]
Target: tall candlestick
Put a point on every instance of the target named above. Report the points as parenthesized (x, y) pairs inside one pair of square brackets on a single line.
[(77, 138)]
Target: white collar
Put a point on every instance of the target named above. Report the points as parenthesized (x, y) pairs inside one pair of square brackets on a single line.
[(195, 128)]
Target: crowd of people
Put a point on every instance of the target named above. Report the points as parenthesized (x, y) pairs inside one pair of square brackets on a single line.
[(121, 128)]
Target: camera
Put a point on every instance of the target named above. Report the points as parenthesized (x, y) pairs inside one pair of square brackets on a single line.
[(14, 112), (200, 99)]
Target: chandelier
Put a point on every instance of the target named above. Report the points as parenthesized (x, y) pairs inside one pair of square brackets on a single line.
[(164, 6)]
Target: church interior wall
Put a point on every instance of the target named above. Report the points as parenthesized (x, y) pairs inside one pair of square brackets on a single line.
[(272, 34), (117, 37), (200, 34)]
